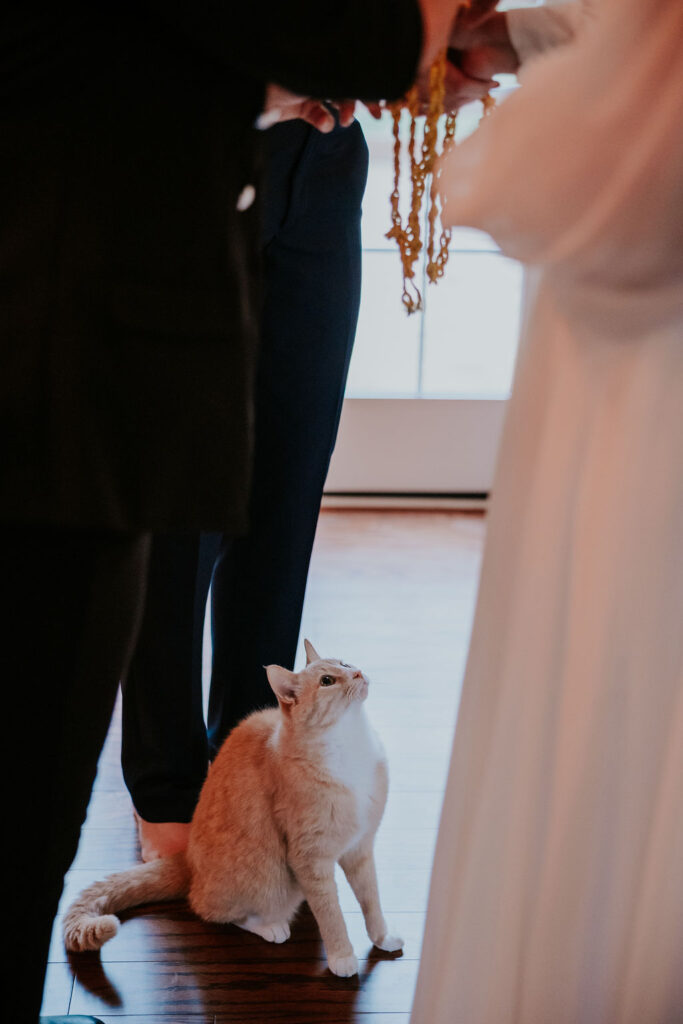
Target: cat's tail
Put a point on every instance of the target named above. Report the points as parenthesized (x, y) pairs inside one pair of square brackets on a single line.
[(90, 922)]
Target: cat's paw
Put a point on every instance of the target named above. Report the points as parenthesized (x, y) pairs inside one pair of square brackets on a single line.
[(276, 932), (343, 966), (389, 943)]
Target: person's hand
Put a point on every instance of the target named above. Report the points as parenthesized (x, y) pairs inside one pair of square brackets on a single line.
[(283, 105), (479, 48), (481, 39), (467, 19), (442, 20), (461, 87), (486, 61)]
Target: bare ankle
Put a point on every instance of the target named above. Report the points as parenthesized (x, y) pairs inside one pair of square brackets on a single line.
[(161, 838)]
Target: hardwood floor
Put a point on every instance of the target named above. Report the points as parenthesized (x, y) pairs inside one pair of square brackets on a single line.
[(392, 592)]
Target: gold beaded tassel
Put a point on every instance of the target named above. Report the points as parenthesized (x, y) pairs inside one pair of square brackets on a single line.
[(408, 236), (436, 264)]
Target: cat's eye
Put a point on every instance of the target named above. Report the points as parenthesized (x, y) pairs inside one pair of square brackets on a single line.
[(327, 680)]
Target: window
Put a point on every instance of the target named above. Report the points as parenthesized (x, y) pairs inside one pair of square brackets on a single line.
[(426, 392)]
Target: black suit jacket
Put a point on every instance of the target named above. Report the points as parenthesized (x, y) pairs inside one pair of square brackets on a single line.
[(128, 278)]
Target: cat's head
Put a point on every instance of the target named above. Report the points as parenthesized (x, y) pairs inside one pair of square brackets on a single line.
[(320, 693)]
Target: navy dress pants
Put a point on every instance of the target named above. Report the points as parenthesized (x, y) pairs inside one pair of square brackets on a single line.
[(311, 239)]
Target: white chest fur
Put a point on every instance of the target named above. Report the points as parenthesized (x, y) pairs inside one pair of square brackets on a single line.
[(352, 752)]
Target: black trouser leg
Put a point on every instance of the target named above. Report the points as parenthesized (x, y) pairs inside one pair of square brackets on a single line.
[(73, 599), (164, 752), (313, 265)]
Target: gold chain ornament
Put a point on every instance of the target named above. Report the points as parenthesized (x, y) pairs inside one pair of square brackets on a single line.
[(407, 235)]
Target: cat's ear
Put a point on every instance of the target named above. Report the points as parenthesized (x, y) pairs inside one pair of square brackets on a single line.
[(311, 653), (282, 683)]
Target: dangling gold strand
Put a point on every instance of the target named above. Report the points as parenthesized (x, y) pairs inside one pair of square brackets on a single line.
[(437, 266), (437, 91), (408, 237)]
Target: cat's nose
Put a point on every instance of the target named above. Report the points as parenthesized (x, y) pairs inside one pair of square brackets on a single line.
[(357, 675)]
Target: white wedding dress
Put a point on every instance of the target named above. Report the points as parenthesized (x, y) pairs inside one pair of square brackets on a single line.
[(557, 888)]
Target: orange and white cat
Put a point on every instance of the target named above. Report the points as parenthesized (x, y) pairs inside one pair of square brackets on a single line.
[(293, 791)]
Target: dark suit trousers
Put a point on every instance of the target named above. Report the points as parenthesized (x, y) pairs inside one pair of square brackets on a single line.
[(72, 603), (312, 292)]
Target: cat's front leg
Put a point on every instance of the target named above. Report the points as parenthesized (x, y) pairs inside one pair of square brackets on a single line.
[(358, 865), (316, 878)]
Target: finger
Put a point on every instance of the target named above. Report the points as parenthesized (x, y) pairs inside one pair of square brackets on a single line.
[(486, 61), (316, 114), (347, 110), (461, 89), (461, 80), (375, 109)]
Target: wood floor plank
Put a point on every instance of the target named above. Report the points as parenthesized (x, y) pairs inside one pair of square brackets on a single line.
[(332, 1016), (107, 849), (335, 1018), (286, 991), (59, 982), (167, 933), (156, 1018)]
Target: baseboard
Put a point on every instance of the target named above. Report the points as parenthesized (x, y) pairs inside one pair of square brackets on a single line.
[(408, 502)]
